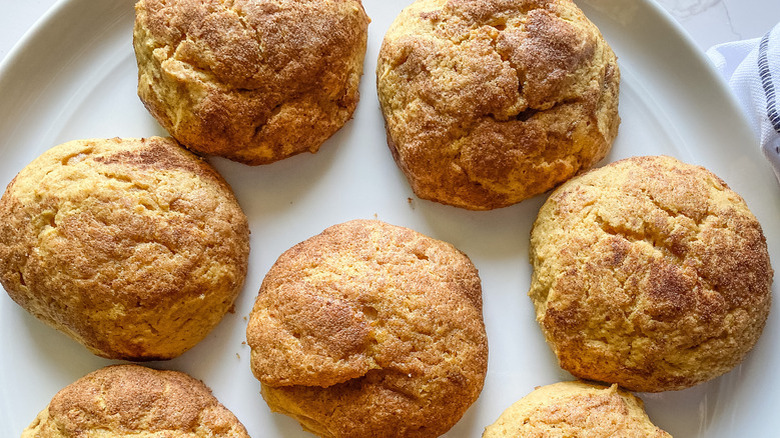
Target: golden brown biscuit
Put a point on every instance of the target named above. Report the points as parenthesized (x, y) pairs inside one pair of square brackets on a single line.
[(130, 400), (251, 80), (575, 410), (489, 102), (135, 248), (370, 329), (649, 273)]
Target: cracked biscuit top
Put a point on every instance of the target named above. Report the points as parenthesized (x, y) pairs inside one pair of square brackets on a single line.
[(135, 401), (369, 329), (576, 409), (649, 273), (489, 102), (251, 80), (135, 248)]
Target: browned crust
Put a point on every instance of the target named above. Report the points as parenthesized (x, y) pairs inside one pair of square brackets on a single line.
[(575, 409), (490, 102), (136, 248), (649, 273), (254, 81), (370, 329), (125, 400)]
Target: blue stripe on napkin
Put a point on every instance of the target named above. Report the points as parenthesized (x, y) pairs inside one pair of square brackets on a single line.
[(766, 81)]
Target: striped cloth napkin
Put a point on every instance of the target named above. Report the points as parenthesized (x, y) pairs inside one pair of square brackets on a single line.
[(752, 70)]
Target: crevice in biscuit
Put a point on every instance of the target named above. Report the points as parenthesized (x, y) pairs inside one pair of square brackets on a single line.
[(371, 314), (49, 218), (76, 157), (166, 245), (383, 378), (699, 221), (271, 114), (634, 237), (133, 185), (206, 71), (669, 211), (420, 255), (117, 177), (525, 115)]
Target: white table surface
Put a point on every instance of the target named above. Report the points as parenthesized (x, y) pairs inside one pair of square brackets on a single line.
[(708, 22)]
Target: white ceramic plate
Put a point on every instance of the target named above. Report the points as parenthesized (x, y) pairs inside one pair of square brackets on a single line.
[(74, 77)]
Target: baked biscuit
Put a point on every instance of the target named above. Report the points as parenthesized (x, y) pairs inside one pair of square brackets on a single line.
[(130, 400), (575, 410), (370, 329), (489, 102), (251, 80), (135, 248), (649, 273)]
